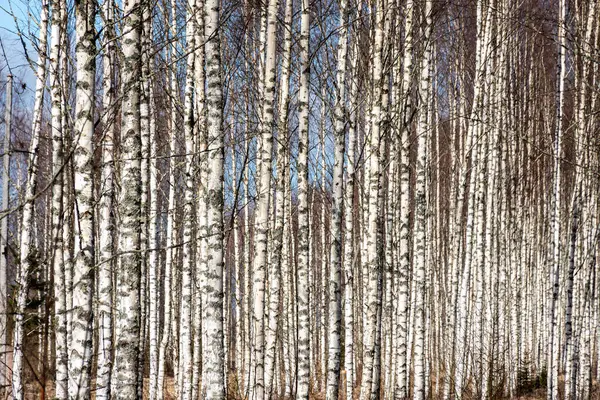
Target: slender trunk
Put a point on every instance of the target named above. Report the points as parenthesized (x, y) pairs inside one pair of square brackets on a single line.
[(185, 321), (172, 240), (28, 248), (200, 126), (571, 373), (128, 307), (349, 244), (282, 250), (334, 285), (80, 354), (213, 352), (553, 342), (153, 220), (303, 366), (106, 229), (405, 108), (419, 237), (145, 201), (4, 227), (105, 268), (277, 266), (467, 204), (373, 183), (262, 218)]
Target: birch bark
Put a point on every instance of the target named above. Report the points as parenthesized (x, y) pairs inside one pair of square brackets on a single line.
[(185, 321), (303, 295), (372, 262), (349, 244), (283, 206), (213, 353), (404, 200), (107, 228), (8, 105), (153, 219), (419, 237), (335, 268), (127, 326), (262, 359), (28, 249), (80, 353), (553, 342)]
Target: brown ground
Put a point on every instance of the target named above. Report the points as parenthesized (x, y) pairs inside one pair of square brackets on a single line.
[(34, 393)]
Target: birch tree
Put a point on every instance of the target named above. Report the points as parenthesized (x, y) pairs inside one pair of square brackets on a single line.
[(334, 286), (302, 267), (4, 228), (371, 265), (432, 234), (127, 324), (80, 352), (27, 254), (261, 370), (213, 352), (186, 333), (553, 343), (419, 237), (106, 206)]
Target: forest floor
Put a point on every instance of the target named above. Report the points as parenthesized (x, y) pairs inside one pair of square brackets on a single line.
[(34, 393)]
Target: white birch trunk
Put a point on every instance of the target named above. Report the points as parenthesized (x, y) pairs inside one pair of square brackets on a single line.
[(213, 379), (107, 227), (421, 207), (283, 206), (303, 294), (28, 248), (128, 307), (199, 125), (335, 268), (263, 363), (553, 342), (371, 265), (405, 108), (153, 220), (349, 244), (4, 223), (80, 353), (571, 372), (189, 261)]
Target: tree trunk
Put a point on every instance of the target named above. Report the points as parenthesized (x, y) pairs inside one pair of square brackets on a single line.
[(4, 227), (335, 268), (28, 254), (128, 307), (213, 353), (303, 354), (553, 342), (107, 227), (263, 363)]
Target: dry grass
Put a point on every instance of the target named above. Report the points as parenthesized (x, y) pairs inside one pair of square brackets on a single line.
[(34, 392)]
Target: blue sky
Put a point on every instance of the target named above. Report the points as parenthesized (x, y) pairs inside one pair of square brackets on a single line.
[(12, 53)]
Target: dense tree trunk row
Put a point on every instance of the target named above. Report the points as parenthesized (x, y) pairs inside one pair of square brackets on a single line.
[(340, 199)]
